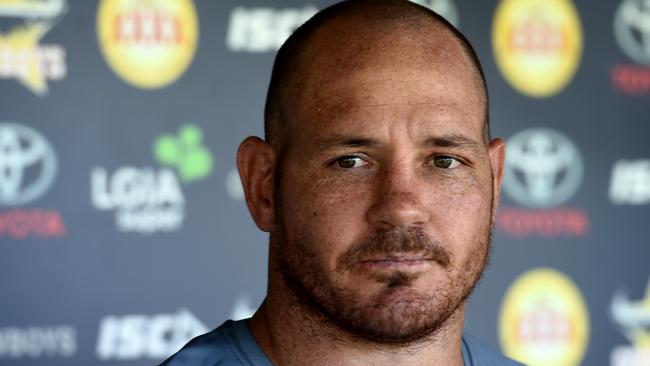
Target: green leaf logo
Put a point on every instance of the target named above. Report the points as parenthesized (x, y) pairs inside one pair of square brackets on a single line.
[(185, 153)]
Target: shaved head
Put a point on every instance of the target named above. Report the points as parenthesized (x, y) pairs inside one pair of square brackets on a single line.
[(357, 34)]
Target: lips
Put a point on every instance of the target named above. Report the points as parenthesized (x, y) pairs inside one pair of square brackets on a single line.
[(398, 257), (405, 260), (396, 261)]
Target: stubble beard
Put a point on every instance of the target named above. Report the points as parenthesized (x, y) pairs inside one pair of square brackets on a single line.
[(408, 319)]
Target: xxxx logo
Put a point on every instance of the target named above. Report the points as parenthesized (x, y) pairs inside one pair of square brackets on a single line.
[(148, 43), (537, 44)]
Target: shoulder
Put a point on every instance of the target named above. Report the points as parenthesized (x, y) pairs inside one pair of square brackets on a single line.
[(210, 349), (480, 354)]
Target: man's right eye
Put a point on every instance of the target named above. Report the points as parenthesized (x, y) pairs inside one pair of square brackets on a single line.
[(349, 162)]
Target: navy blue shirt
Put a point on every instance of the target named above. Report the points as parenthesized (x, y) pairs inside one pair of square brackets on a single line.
[(233, 344)]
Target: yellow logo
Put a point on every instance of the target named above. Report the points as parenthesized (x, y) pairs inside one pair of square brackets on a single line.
[(633, 318), (149, 43), (21, 55), (537, 44), (544, 320)]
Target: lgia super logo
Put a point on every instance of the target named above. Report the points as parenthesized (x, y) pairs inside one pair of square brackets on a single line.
[(537, 44), (151, 199), (148, 43)]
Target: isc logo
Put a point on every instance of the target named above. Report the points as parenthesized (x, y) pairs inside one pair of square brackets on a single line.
[(131, 337), (263, 29), (630, 183)]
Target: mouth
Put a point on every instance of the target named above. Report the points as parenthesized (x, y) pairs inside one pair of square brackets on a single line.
[(396, 261)]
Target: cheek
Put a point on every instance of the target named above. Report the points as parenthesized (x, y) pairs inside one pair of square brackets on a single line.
[(325, 214), (461, 209)]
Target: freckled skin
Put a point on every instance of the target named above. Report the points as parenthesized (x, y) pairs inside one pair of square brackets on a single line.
[(396, 93)]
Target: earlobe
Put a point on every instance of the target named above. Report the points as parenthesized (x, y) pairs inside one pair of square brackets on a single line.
[(497, 151), (256, 164)]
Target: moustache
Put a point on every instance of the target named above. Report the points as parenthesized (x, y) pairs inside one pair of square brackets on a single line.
[(385, 243)]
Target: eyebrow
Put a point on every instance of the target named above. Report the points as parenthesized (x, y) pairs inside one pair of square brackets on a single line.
[(452, 140), (346, 141)]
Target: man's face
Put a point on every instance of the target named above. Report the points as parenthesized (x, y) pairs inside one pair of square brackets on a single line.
[(385, 197)]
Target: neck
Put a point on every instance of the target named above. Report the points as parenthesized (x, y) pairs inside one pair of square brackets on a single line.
[(290, 333)]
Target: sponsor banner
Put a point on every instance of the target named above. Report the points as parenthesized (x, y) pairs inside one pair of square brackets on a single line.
[(543, 170), (633, 320), (28, 168), (544, 320), (632, 31), (151, 199), (23, 55), (38, 342), (537, 44), (264, 29), (630, 182), (139, 336), (148, 43)]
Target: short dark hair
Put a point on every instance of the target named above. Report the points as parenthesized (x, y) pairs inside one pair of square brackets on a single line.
[(287, 60)]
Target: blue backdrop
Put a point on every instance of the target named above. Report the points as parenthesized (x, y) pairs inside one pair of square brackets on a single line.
[(123, 231)]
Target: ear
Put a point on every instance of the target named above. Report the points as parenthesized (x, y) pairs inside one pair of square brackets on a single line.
[(256, 164), (497, 151)]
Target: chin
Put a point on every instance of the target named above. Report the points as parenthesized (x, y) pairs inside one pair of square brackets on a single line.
[(397, 315)]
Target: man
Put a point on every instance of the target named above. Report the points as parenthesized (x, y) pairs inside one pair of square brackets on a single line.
[(378, 184)]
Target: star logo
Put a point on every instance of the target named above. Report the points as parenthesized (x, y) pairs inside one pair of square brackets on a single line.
[(24, 58), (633, 317)]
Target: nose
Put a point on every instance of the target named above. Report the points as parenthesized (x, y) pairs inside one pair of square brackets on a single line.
[(398, 200)]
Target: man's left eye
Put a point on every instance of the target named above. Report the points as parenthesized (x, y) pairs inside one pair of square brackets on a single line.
[(349, 162), (445, 162)]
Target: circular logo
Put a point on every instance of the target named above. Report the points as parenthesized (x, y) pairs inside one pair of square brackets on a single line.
[(632, 29), (27, 164), (544, 320), (445, 8), (537, 44), (543, 168), (148, 43)]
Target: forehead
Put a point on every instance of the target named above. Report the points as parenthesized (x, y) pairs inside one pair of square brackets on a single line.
[(430, 79)]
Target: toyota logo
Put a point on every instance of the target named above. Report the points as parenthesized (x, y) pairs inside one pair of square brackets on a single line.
[(632, 29), (27, 164), (543, 168)]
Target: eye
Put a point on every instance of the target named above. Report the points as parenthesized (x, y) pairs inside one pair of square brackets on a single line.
[(349, 162), (445, 162)]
